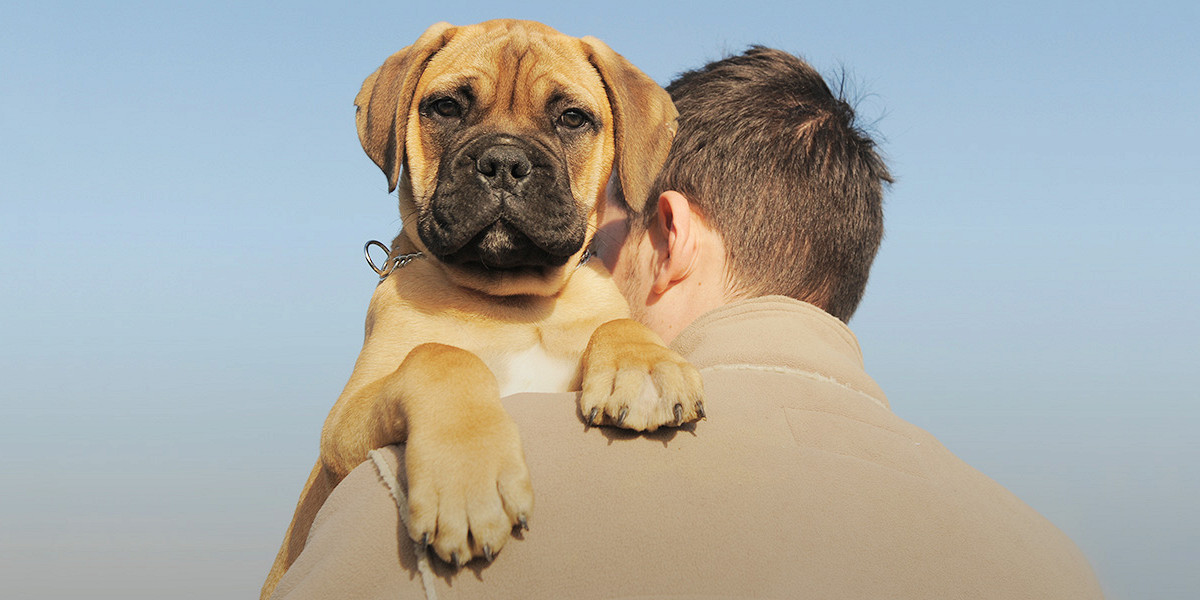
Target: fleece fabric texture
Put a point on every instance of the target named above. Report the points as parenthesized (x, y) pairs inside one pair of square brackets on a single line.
[(801, 483)]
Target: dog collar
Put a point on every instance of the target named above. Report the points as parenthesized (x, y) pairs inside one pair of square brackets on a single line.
[(392, 263), (585, 257), (395, 262)]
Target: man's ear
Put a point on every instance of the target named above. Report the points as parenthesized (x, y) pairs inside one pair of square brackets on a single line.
[(677, 245), (383, 102)]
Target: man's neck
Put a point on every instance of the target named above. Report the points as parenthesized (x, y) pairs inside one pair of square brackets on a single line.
[(704, 289)]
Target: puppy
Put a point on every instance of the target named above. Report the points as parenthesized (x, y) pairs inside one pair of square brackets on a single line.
[(501, 138)]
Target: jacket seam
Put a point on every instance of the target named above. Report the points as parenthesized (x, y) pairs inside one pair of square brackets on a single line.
[(796, 372)]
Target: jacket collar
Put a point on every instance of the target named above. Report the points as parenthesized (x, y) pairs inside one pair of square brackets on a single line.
[(781, 333)]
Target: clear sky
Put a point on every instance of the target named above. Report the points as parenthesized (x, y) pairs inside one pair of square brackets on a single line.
[(183, 203)]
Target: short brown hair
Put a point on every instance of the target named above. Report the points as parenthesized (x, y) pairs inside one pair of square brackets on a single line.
[(775, 161)]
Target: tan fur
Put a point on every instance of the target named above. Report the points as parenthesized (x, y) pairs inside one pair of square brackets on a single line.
[(437, 337)]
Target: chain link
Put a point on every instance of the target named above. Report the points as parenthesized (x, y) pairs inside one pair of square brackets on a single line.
[(393, 262)]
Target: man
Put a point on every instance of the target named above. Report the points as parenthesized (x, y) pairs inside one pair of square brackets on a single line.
[(801, 483)]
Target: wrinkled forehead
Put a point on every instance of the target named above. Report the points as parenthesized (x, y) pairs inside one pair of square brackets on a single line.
[(517, 66)]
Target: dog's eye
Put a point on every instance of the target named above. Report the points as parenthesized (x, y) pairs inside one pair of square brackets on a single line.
[(447, 108), (573, 119)]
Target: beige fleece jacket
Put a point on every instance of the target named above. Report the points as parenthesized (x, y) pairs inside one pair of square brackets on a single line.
[(800, 484)]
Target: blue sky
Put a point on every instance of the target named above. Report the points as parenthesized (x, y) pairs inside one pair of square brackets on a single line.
[(183, 202)]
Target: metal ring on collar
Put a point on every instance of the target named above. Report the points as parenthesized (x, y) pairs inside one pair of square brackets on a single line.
[(387, 265)]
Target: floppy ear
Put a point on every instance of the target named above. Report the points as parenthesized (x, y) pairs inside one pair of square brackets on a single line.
[(643, 120), (383, 102)]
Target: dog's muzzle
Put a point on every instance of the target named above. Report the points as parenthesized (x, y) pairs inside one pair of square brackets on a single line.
[(503, 202), (503, 168)]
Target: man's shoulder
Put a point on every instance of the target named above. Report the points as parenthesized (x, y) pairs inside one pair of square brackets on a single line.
[(544, 409), (865, 470), (809, 461)]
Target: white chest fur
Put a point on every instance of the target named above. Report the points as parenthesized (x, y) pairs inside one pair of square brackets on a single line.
[(533, 370)]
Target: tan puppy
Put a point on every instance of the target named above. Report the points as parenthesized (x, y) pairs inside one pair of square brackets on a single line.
[(501, 138)]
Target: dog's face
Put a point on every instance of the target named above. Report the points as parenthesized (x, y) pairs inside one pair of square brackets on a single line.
[(501, 137)]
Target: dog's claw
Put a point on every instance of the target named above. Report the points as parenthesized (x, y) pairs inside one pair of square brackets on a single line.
[(425, 540), (700, 410), (457, 560), (678, 414), (523, 521), (592, 416), (622, 414), (487, 553)]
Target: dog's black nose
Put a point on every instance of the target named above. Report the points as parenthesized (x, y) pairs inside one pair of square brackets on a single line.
[(503, 166)]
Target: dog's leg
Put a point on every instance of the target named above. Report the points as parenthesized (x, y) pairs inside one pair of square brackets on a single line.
[(316, 490), (468, 484), (347, 436), (464, 459), (632, 380)]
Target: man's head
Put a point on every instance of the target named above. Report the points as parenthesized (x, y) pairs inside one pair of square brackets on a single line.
[(769, 160)]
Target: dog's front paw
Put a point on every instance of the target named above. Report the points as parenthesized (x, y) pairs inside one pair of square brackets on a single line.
[(467, 492), (632, 380), (468, 484)]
